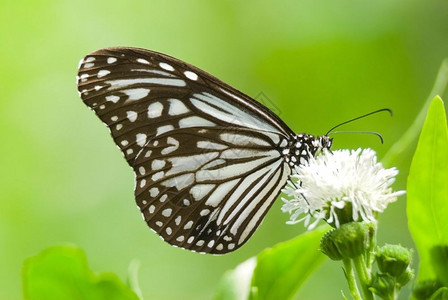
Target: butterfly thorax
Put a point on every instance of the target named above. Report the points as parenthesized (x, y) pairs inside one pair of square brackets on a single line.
[(303, 146)]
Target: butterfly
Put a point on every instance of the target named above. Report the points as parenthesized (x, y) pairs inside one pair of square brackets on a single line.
[(209, 161)]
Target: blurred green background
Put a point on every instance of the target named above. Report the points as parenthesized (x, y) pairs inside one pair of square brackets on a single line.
[(317, 62)]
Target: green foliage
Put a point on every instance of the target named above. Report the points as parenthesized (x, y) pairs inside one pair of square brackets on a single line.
[(275, 273), (281, 270), (428, 189), (62, 272)]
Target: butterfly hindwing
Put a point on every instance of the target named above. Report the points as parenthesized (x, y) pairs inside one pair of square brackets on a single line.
[(208, 189)]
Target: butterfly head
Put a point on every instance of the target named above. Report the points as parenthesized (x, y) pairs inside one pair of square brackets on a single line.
[(324, 142), (304, 146)]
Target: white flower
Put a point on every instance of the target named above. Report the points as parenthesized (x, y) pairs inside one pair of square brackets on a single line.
[(326, 184)]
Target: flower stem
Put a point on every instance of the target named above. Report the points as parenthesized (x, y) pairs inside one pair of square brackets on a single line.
[(350, 276), (364, 276)]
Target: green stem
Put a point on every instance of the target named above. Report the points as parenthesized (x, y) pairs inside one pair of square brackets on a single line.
[(411, 134), (350, 276), (364, 276), (372, 244)]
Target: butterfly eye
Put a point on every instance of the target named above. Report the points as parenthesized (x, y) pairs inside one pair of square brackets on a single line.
[(209, 160)]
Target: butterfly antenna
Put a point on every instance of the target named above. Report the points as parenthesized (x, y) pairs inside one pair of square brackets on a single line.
[(360, 117), (363, 132)]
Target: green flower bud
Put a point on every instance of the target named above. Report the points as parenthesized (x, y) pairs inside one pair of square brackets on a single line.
[(383, 285), (393, 259), (425, 289), (328, 247), (405, 277), (348, 241)]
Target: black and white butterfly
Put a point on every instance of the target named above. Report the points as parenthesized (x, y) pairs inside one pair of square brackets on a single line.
[(209, 160)]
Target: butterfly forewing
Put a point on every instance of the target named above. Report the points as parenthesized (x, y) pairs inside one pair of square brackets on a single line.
[(208, 159)]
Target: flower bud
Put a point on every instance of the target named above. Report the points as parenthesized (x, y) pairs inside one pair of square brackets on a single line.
[(393, 259), (383, 285), (348, 241), (405, 277), (328, 247)]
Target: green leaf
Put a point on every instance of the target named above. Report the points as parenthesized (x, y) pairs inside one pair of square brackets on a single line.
[(281, 270), (235, 283), (62, 272), (441, 294), (427, 206)]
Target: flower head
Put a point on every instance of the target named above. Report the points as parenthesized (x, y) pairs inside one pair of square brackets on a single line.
[(339, 187)]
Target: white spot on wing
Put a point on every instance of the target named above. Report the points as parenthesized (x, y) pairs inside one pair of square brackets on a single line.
[(167, 212), (188, 225), (210, 145), (153, 192), (155, 110), (195, 121), (221, 191), (191, 75), (157, 176), (131, 115), (179, 182), (84, 77), (140, 139), (103, 73), (136, 94), (180, 164), (200, 190), (163, 198), (142, 170), (164, 128), (143, 61), (157, 164), (166, 66), (170, 141), (112, 98), (241, 139), (204, 212), (111, 60), (123, 83), (177, 107)]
